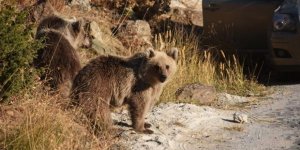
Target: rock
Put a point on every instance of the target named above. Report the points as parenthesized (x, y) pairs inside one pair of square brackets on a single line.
[(186, 16), (201, 93), (229, 99), (104, 42), (187, 4), (187, 12), (135, 34), (240, 118), (82, 4)]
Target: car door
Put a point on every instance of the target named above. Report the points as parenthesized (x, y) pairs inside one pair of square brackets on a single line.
[(242, 25)]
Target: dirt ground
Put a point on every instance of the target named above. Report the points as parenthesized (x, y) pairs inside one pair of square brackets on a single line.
[(273, 124)]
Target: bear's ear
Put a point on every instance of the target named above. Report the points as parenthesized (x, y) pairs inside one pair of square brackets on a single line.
[(173, 53), (150, 52), (76, 26)]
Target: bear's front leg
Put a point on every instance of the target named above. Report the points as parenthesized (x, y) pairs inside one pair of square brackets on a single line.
[(138, 109)]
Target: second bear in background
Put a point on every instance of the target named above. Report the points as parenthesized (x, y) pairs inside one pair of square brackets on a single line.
[(59, 58)]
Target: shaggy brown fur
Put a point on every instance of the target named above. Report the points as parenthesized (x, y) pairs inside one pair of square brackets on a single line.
[(59, 56), (113, 81), (53, 22)]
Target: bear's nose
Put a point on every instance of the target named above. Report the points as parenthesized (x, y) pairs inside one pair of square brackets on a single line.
[(162, 78)]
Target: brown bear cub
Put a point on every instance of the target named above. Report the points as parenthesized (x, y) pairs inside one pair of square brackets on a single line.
[(59, 57), (111, 81)]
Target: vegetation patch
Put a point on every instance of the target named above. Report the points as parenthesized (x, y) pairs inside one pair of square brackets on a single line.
[(204, 66), (18, 50), (45, 123)]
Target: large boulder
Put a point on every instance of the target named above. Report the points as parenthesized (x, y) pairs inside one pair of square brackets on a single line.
[(202, 94)]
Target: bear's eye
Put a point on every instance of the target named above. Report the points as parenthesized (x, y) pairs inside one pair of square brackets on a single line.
[(156, 67), (167, 66)]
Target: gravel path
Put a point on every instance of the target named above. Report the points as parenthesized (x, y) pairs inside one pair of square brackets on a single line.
[(274, 124)]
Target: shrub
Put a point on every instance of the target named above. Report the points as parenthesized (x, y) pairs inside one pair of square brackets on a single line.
[(17, 51)]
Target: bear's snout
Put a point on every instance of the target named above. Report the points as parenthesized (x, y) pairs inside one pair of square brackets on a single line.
[(162, 78)]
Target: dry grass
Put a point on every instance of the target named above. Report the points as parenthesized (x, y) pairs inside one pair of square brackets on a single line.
[(57, 4), (195, 66), (41, 121)]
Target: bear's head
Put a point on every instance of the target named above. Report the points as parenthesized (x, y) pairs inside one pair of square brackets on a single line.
[(80, 31), (159, 66), (77, 31)]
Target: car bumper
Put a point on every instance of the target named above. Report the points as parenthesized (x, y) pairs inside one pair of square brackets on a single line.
[(285, 52)]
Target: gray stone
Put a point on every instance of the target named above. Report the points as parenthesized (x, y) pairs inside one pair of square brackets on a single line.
[(240, 117), (201, 93)]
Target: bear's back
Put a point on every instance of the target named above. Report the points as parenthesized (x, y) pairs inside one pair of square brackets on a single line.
[(108, 77)]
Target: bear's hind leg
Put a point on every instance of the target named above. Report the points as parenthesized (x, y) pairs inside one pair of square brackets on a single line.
[(98, 113), (103, 117)]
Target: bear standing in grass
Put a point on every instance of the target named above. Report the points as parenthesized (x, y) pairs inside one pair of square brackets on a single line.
[(59, 57), (110, 81)]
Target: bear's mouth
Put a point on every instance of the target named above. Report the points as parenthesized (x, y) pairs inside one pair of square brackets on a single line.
[(162, 78)]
